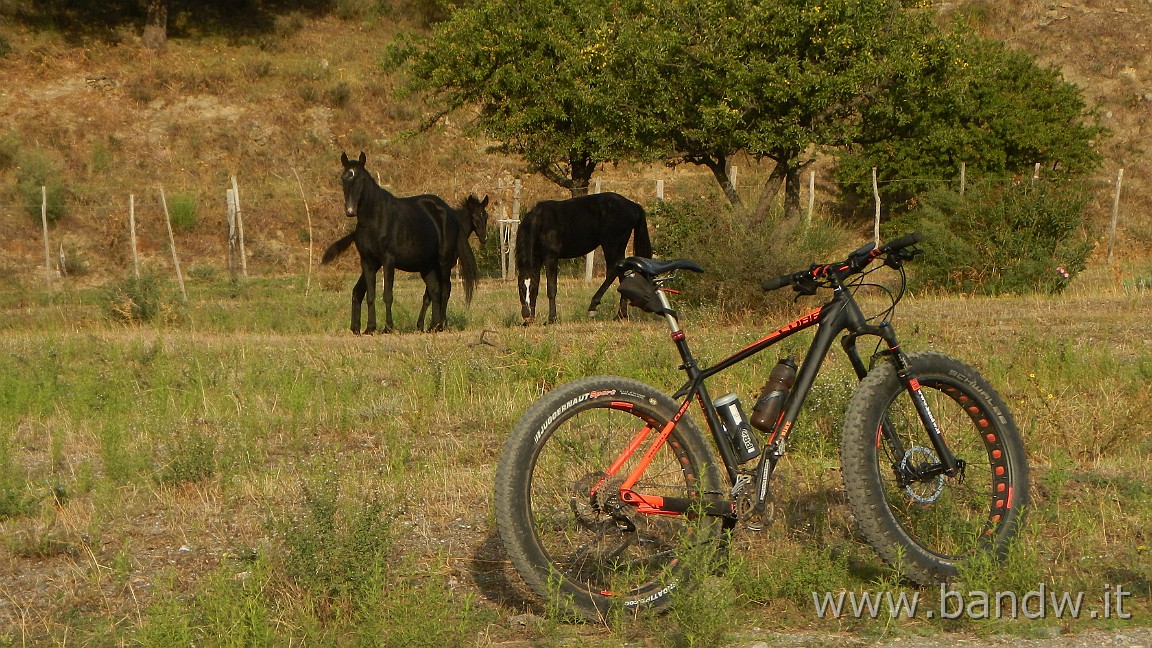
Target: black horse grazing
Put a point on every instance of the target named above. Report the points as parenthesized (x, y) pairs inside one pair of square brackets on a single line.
[(416, 234), (566, 229)]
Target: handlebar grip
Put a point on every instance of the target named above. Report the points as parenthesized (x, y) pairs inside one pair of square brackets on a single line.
[(904, 241), (769, 285)]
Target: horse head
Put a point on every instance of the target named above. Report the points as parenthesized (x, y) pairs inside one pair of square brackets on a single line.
[(355, 180), (478, 216)]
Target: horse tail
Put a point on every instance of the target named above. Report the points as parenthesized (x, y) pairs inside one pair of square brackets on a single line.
[(641, 241), (338, 248), (469, 272)]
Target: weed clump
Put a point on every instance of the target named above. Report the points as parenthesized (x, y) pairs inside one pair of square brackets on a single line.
[(137, 300)]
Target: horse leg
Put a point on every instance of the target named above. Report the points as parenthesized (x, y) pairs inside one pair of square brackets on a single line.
[(423, 310), (553, 271), (612, 256), (528, 286), (433, 298), (357, 297), (445, 282), (368, 277), (389, 278)]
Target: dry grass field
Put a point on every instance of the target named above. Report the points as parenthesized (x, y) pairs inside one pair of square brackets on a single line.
[(247, 471)]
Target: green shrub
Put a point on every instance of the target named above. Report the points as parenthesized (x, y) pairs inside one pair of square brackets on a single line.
[(40, 186), (736, 255), (9, 149), (999, 239), (137, 299), (191, 458), (334, 547), (182, 211)]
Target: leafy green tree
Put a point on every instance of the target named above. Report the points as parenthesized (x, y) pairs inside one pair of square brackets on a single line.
[(804, 74), (971, 100), (534, 71)]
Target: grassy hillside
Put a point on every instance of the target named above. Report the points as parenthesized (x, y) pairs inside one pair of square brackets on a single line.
[(275, 107)]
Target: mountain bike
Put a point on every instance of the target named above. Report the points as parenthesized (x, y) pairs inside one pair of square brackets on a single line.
[(605, 482)]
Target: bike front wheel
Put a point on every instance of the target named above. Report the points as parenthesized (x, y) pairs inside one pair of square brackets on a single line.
[(921, 523), (558, 510)]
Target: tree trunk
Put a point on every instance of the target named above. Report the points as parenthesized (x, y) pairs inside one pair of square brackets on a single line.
[(575, 178), (156, 25), (769, 192), (721, 169), (787, 174), (792, 192), (581, 176)]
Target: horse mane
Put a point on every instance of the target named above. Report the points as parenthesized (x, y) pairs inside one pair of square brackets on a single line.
[(338, 247)]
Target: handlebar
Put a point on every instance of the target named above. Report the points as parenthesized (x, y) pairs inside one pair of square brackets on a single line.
[(805, 280)]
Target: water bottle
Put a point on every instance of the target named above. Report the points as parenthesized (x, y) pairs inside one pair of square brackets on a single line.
[(766, 412), (744, 441)]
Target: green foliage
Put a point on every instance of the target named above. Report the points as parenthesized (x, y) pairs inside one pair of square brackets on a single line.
[(334, 547), (490, 54), (192, 458), (961, 98), (137, 299), (9, 149), (41, 186), (15, 499), (999, 239), (736, 255), (809, 569), (703, 612), (182, 210)]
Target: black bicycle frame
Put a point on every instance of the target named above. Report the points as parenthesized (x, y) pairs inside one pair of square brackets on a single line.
[(840, 314)]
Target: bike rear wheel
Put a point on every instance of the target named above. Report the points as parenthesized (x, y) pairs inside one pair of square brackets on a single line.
[(926, 525), (578, 547)]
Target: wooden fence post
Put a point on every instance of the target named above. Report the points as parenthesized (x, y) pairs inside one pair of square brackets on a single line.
[(1115, 215), (240, 228), (308, 213), (47, 248), (963, 176), (876, 195), (811, 197), (132, 233), (233, 237), (172, 243)]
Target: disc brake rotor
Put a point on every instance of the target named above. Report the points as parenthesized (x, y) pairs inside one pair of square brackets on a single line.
[(922, 491)]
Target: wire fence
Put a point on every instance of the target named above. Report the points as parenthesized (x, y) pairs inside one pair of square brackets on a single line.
[(282, 233)]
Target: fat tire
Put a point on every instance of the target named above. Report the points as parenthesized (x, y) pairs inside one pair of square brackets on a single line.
[(923, 533), (558, 541)]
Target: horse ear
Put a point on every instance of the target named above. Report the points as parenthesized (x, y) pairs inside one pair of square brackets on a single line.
[(484, 203), (363, 158), (344, 159)]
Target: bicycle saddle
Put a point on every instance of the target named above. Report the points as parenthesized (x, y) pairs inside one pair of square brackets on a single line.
[(654, 268)]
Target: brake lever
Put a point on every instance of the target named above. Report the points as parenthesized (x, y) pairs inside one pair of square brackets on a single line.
[(896, 259), (805, 287)]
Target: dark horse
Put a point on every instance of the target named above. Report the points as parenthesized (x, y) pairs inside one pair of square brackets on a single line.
[(416, 234), (566, 229)]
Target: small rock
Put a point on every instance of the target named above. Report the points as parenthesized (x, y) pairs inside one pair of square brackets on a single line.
[(524, 620)]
